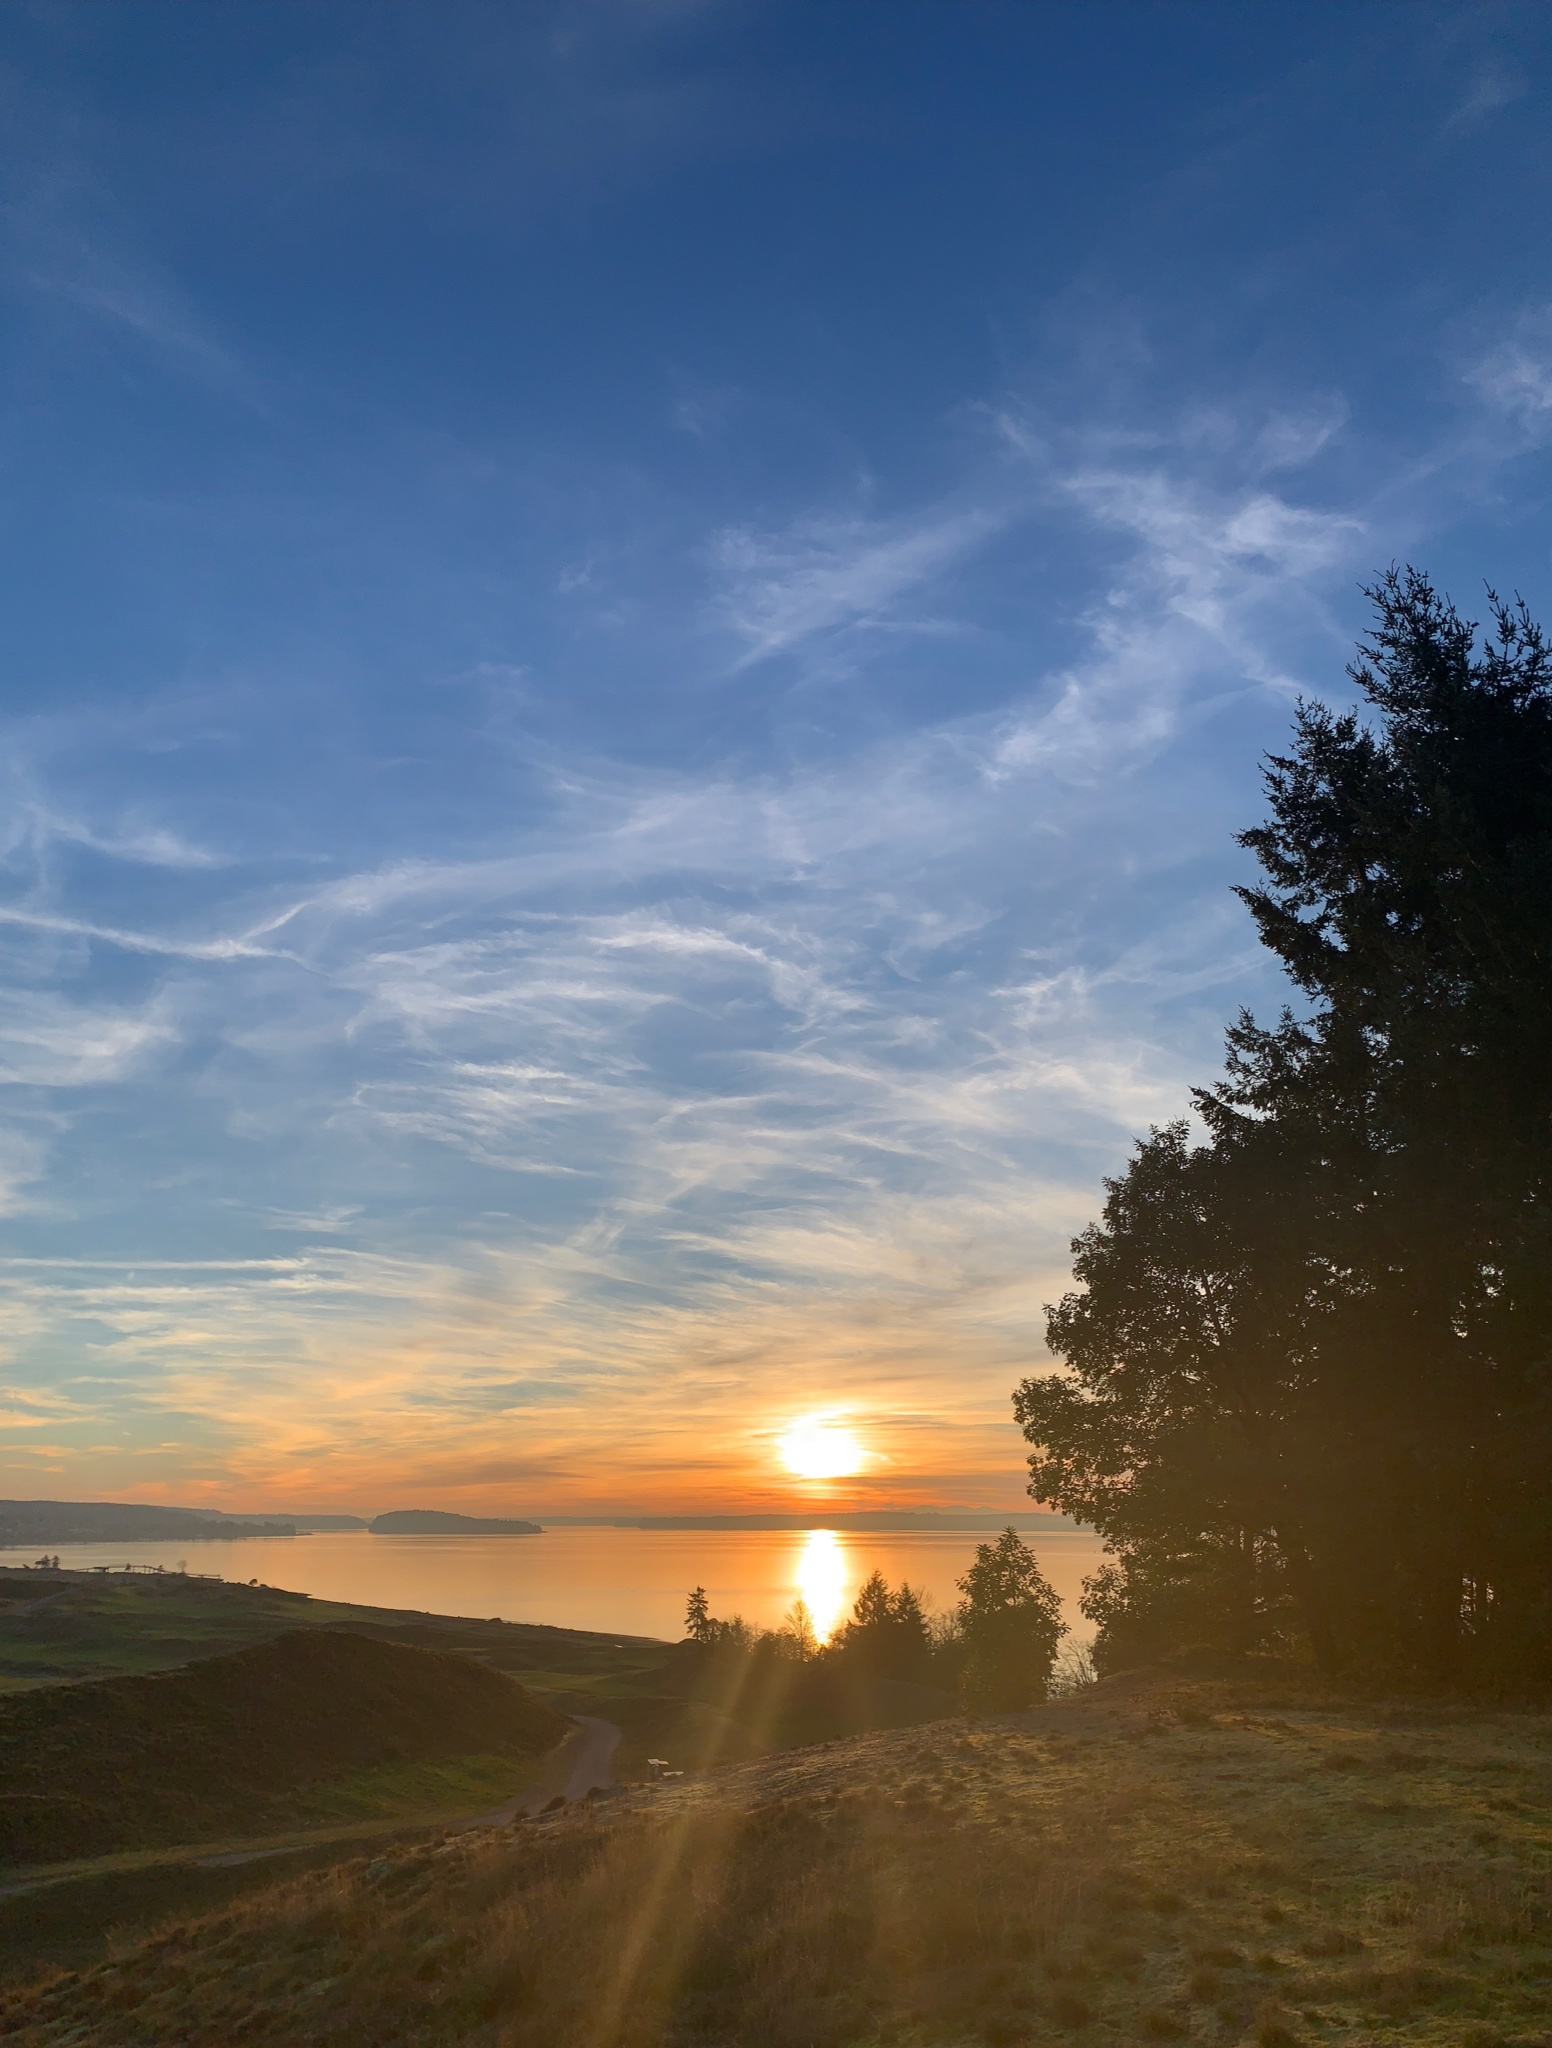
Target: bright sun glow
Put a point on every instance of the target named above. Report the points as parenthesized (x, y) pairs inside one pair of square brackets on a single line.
[(822, 1580), (820, 1450)]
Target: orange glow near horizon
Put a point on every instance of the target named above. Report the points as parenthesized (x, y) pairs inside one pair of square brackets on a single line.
[(268, 1406), (817, 1449)]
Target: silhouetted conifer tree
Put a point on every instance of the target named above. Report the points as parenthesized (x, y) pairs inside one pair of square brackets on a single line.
[(1311, 1383), (888, 1633), (1010, 1622)]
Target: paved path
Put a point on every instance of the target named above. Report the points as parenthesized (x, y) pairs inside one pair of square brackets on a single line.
[(584, 1764)]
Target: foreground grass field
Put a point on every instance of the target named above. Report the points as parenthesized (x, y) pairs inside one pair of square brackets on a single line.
[(1158, 1860)]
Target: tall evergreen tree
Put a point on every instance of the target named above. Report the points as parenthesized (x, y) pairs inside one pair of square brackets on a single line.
[(1312, 1364)]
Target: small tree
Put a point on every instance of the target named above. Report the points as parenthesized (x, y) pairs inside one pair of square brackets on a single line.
[(797, 1632), (708, 1632), (698, 1624), (1010, 1621)]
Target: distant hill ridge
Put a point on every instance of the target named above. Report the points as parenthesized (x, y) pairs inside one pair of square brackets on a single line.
[(43, 1523), (26, 1522), (434, 1522)]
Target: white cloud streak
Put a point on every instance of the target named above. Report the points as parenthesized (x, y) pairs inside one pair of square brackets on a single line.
[(778, 590), (1515, 374)]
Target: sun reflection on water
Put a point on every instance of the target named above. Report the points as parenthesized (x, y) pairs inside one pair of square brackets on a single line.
[(822, 1579)]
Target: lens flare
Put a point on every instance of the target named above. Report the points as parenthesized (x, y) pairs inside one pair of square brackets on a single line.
[(816, 1449)]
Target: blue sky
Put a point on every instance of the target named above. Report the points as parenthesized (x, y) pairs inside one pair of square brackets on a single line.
[(634, 638)]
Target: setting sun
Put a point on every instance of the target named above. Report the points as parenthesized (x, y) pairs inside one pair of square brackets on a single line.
[(820, 1450)]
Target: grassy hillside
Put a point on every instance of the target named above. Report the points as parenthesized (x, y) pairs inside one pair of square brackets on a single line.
[(60, 1626), (1160, 1860), (231, 1741)]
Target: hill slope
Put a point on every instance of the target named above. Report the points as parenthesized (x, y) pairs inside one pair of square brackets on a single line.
[(218, 1744), (74, 1625), (1161, 1860)]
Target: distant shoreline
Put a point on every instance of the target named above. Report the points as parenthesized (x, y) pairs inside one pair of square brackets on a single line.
[(882, 1521), (31, 1524)]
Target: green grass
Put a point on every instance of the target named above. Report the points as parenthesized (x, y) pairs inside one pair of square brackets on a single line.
[(230, 1742), (1157, 1861), (453, 1787), (58, 1628), (89, 1625), (65, 1913)]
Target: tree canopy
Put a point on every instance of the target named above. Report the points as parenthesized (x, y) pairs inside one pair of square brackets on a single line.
[(1308, 1394), (1010, 1622), (888, 1631)]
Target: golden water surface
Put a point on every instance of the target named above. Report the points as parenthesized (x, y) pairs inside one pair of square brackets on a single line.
[(627, 1580)]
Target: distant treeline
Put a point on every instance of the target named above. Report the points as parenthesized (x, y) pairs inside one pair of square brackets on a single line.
[(996, 1650), (1309, 1396)]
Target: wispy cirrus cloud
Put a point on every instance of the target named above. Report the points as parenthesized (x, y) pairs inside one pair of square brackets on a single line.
[(28, 827), (778, 589), (1514, 375), (1194, 612), (50, 1042), (791, 1076), (1494, 86), (630, 714), (67, 244), (167, 945)]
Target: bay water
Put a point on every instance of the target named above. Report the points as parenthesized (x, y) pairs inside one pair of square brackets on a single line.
[(630, 1581)]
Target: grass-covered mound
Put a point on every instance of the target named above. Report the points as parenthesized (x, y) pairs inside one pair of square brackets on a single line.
[(1161, 1861), (228, 1742)]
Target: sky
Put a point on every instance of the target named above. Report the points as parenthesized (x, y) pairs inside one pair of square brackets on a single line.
[(634, 639)]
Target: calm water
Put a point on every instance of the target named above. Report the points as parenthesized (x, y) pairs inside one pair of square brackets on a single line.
[(631, 1580)]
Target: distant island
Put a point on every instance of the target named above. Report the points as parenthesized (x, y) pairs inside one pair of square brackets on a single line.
[(433, 1522)]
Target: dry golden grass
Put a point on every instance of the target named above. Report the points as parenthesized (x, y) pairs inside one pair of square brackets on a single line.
[(1156, 1862)]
